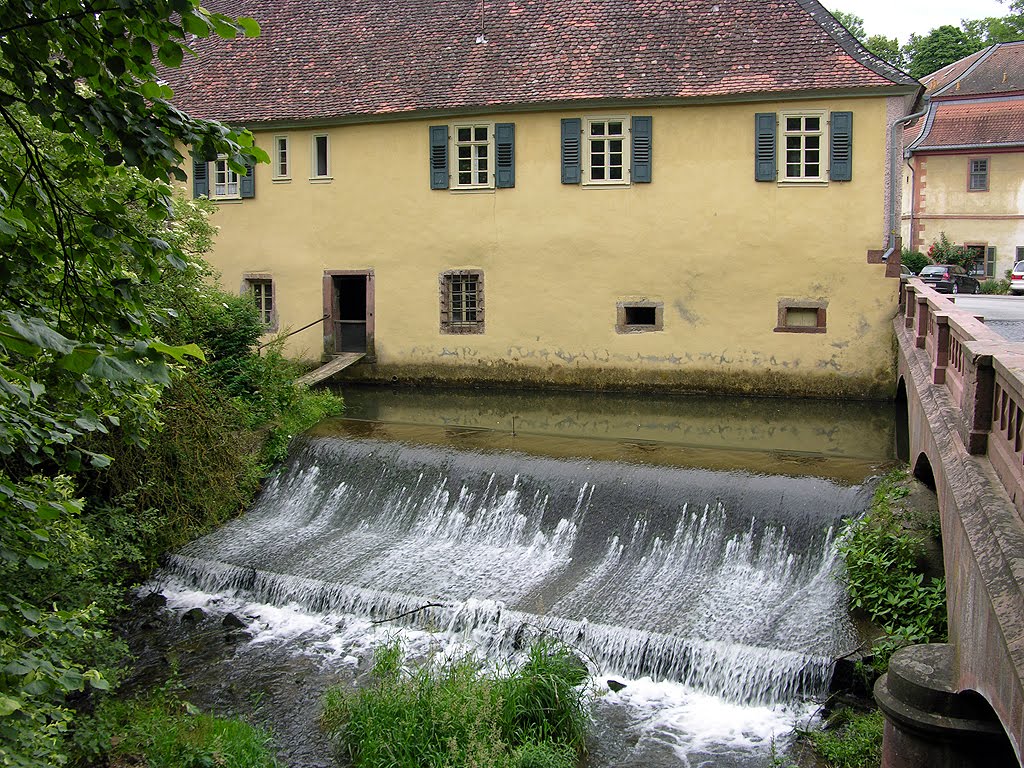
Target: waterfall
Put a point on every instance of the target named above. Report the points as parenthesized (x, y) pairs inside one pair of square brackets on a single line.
[(723, 581)]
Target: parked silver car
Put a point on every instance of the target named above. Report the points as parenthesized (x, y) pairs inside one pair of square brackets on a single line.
[(1017, 278)]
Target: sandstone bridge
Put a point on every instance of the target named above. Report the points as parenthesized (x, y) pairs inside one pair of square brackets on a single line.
[(960, 425)]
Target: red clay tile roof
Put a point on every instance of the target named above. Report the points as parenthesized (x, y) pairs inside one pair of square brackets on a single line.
[(978, 123), (321, 60), (977, 102), (998, 69), (950, 72)]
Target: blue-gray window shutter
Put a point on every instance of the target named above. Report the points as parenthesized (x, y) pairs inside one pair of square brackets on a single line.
[(247, 184), (841, 147), (505, 155), (643, 149), (764, 146), (200, 178), (439, 157), (571, 130)]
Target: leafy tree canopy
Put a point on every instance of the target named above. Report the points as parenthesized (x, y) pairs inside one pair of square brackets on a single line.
[(853, 23), (89, 144), (940, 47)]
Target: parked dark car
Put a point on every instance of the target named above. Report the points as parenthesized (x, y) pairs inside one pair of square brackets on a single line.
[(949, 278)]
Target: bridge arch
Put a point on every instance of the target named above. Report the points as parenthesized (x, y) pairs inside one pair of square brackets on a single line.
[(923, 471), (902, 422)]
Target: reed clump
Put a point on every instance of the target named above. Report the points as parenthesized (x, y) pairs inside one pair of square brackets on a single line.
[(454, 713)]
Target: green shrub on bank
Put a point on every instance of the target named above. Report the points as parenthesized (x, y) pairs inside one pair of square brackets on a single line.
[(850, 739), (454, 715), (163, 731), (883, 579)]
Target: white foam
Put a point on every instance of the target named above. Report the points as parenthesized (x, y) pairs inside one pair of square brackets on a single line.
[(695, 722), (665, 713)]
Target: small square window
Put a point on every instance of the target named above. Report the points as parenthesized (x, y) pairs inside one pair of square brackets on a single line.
[(261, 286), (639, 316), (796, 316), (462, 301), (321, 158), (978, 175)]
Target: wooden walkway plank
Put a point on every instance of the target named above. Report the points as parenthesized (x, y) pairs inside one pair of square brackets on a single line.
[(339, 363)]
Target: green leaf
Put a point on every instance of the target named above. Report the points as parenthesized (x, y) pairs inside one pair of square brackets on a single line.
[(30, 612), (8, 706), (170, 54), (36, 563), (180, 352), (250, 26)]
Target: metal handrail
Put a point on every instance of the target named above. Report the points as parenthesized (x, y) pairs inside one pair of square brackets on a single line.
[(290, 333)]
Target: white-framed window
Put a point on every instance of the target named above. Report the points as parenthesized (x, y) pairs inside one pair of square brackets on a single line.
[(261, 286), (802, 150), (474, 156), (321, 159), (225, 184), (281, 158), (606, 150)]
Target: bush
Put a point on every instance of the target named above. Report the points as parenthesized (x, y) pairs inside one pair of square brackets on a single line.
[(995, 286), (850, 739), (915, 261), (162, 731), (455, 715), (883, 579)]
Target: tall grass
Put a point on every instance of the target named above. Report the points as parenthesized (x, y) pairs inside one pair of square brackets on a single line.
[(452, 714), (163, 731)]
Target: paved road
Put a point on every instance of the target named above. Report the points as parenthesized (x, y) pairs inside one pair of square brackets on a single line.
[(1003, 314)]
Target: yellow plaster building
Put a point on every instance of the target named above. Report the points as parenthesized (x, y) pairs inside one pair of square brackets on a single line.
[(620, 194), (964, 172)]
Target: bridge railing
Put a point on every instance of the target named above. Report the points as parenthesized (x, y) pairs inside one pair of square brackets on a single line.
[(983, 373)]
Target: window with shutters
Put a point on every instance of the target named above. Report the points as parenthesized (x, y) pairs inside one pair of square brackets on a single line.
[(462, 301), (802, 146), (218, 181), (606, 150), (978, 174), (225, 184), (468, 157), (474, 156)]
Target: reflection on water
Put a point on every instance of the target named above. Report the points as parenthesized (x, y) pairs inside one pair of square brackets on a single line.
[(843, 441)]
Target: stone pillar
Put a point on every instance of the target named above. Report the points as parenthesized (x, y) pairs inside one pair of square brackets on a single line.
[(928, 724)]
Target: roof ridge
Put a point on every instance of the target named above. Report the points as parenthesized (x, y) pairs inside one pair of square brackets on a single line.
[(984, 57), (846, 40)]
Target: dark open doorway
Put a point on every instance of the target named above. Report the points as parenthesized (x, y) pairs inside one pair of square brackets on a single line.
[(348, 299)]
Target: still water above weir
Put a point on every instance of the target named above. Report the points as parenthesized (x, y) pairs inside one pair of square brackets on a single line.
[(699, 569)]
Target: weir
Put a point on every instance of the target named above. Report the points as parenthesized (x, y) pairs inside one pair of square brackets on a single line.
[(724, 581)]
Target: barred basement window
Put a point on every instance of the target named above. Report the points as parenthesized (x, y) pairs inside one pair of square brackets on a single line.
[(462, 301), (639, 316), (796, 316)]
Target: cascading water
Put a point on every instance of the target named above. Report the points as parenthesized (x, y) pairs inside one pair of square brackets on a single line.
[(722, 582)]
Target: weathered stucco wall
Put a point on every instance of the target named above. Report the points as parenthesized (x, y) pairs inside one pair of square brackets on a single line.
[(718, 249), (943, 203)]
